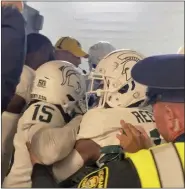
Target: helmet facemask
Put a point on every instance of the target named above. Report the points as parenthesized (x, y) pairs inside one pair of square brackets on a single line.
[(112, 83), (98, 88)]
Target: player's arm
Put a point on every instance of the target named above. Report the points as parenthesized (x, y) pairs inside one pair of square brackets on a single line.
[(10, 119), (56, 173), (9, 127), (50, 145), (67, 167), (85, 151), (11, 116), (40, 140)]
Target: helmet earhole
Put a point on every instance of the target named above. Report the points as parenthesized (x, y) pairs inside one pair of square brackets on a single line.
[(136, 95)]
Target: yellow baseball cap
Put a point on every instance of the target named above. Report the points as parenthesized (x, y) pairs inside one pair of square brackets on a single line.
[(71, 45)]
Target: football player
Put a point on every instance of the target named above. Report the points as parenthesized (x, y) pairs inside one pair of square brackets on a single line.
[(96, 53), (119, 98), (11, 116), (49, 124), (36, 55)]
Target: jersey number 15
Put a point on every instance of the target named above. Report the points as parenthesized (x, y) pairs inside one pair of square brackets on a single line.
[(43, 113)]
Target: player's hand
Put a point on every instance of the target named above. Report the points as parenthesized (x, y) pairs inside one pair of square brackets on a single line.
[(147, 141), (18, 4), (131, 138)]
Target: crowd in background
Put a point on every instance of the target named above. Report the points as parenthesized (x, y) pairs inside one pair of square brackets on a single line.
[(25, 54)]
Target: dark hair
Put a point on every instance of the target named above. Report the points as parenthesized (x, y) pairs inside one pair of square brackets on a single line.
[(35, 41)]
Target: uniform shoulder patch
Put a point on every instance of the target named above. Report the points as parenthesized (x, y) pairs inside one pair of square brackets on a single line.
[(96, 179)]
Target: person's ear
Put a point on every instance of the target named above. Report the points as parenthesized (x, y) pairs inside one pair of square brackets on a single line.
[(173, 122), (169, 115)]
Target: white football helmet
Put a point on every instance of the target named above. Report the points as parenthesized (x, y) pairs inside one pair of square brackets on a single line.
[(59, 82), (116, 86)]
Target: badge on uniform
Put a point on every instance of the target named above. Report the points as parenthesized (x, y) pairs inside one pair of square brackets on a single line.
[(96, 179)]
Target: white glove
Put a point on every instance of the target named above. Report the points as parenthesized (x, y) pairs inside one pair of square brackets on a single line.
[(50, 145), (26, 81)]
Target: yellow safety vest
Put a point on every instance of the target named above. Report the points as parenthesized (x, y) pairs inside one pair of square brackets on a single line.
[(161, 166)]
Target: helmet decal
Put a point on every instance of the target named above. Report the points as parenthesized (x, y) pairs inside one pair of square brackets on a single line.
[(126, 60), (67, 75), (114, 72)]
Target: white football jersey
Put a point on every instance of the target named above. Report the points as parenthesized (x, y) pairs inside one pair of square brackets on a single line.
[(102, 125), (41, 112), (37, 116)]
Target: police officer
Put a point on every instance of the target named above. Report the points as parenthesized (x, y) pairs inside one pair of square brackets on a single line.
[(161, 166)]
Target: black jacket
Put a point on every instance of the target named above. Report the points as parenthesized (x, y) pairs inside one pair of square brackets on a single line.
[(42, 177), (13, 52)]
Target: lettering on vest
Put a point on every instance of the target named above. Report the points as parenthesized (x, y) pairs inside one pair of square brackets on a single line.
[(97, 179), (143, 116)]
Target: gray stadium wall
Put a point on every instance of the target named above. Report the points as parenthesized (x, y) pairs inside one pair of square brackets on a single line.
[(34, 20)]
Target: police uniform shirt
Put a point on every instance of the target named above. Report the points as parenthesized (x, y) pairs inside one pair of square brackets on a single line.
[(144, 169)]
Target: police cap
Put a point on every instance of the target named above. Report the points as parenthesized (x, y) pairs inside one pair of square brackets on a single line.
[(164, 76)]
